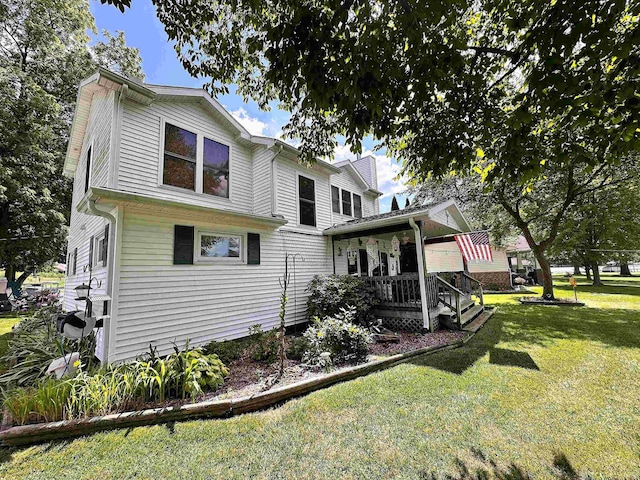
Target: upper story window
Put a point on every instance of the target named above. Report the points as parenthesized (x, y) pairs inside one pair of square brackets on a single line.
[(357, 206), (180, 152), (346, 203), (335, 199), (307, 201), (87, 174), (215, 167)]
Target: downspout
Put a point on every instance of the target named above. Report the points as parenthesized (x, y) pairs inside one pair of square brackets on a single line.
[(274, 183), (93, 209), (426, 322)]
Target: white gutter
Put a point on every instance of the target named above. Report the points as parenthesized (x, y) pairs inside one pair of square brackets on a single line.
[(109, 325), (426, 323), (274, 183)]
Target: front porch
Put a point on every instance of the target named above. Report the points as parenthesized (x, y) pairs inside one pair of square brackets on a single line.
[(388, 252)]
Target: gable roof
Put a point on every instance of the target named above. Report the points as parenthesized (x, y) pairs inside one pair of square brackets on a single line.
[(399, 217), (146, 94), (348, 166)]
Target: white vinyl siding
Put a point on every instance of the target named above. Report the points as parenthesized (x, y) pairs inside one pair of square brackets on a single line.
[(345, 181), (140, 159), (443, 257), (161, 303), (500, 263), (262, 181)]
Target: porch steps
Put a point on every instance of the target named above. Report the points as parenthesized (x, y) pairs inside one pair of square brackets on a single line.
[(479, 321), (469, 313)]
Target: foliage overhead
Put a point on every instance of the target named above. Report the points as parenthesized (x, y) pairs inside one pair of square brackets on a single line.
[(434, 81), (44, 54)]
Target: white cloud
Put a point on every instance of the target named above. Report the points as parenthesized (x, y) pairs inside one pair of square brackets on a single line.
[(253, 125)]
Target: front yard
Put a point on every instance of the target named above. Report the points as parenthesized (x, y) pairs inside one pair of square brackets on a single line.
[(543, 391)]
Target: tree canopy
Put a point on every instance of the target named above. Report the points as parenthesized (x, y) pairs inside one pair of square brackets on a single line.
[(432, 80), (44, 54)]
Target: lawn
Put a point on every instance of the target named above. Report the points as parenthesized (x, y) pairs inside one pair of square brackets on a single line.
[(540, 391)]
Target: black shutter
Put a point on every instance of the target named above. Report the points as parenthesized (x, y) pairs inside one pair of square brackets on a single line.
[(91, 252), (253, 248), (105, 245), (88, 172), (183, 245), (75, 260)]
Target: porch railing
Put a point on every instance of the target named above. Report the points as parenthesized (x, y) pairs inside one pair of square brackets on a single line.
[(473, 287), (399, 291), (451, 297)]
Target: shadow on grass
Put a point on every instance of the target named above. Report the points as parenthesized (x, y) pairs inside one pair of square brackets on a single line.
[(511, 358), (483, 468)]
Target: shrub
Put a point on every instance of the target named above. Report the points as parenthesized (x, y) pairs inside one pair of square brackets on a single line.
[(228, 350), (45, 403), (297, 347), (264, 345), (34, 344), (346, 342), (328, 294)]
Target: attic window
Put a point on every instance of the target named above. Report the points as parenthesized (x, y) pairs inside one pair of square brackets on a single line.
[(346, 203), (180, 147), (357, 206), (307, 201)]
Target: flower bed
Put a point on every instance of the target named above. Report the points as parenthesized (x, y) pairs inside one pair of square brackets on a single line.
[(544, 301)]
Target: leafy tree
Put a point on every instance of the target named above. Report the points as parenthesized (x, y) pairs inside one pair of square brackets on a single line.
[(394, 204), (44, 54), (539, 212), (432, 80)]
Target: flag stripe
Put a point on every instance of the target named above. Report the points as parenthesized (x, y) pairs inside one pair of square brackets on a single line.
[(475, 246)]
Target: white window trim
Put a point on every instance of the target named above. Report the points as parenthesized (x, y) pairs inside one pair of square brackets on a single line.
[(95, 261), (199, 177), (315, 201), (218, 233)]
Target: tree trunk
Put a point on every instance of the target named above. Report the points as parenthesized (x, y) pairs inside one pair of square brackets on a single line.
[(576, 269), (587, 272), (596, 274), (624, 270), (10, 273), (20, 280), (547, 280)]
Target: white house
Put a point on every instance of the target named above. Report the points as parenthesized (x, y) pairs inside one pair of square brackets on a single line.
[(181, 220)]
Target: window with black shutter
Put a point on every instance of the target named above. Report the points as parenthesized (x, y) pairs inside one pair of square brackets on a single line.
[(335, 199), (253, 248), (183, 239), (104, 251), (357, 206), (75, 260), (87, 175), (91, 240), (307, 201), (346, 203)]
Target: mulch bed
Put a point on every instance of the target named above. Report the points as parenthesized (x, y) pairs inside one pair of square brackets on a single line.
[(557, 301)]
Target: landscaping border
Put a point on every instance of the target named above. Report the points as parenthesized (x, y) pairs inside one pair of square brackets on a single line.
[(551, 302), (42, 432)]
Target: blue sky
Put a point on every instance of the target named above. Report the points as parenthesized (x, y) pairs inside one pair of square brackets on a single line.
[(144, 31)]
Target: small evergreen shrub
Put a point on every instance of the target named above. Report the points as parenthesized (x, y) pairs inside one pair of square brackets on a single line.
[(337, 335), (328, 294), (297, 347)]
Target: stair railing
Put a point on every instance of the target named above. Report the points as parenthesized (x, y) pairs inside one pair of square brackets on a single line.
[(480, 291), (451, 297)]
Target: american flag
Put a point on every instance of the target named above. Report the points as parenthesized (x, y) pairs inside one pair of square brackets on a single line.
[(475, 246)]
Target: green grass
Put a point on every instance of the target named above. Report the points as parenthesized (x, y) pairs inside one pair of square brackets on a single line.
[(7, 321), (543, 391)]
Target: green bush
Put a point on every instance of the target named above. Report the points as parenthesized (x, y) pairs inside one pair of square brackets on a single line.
[(34, 344), (264, 345), (328, 294), (337, 335), (116, 388), (228, 350), (297, 347)]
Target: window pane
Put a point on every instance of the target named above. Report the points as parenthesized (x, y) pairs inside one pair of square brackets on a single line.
[(307, 213), (179, 172), (307, 188), (335, 199), (215, 169), (180, 141), (213, 246), (346, 202), (357, 206)]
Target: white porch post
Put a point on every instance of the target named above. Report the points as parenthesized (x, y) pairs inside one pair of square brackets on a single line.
[(421, 274)]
